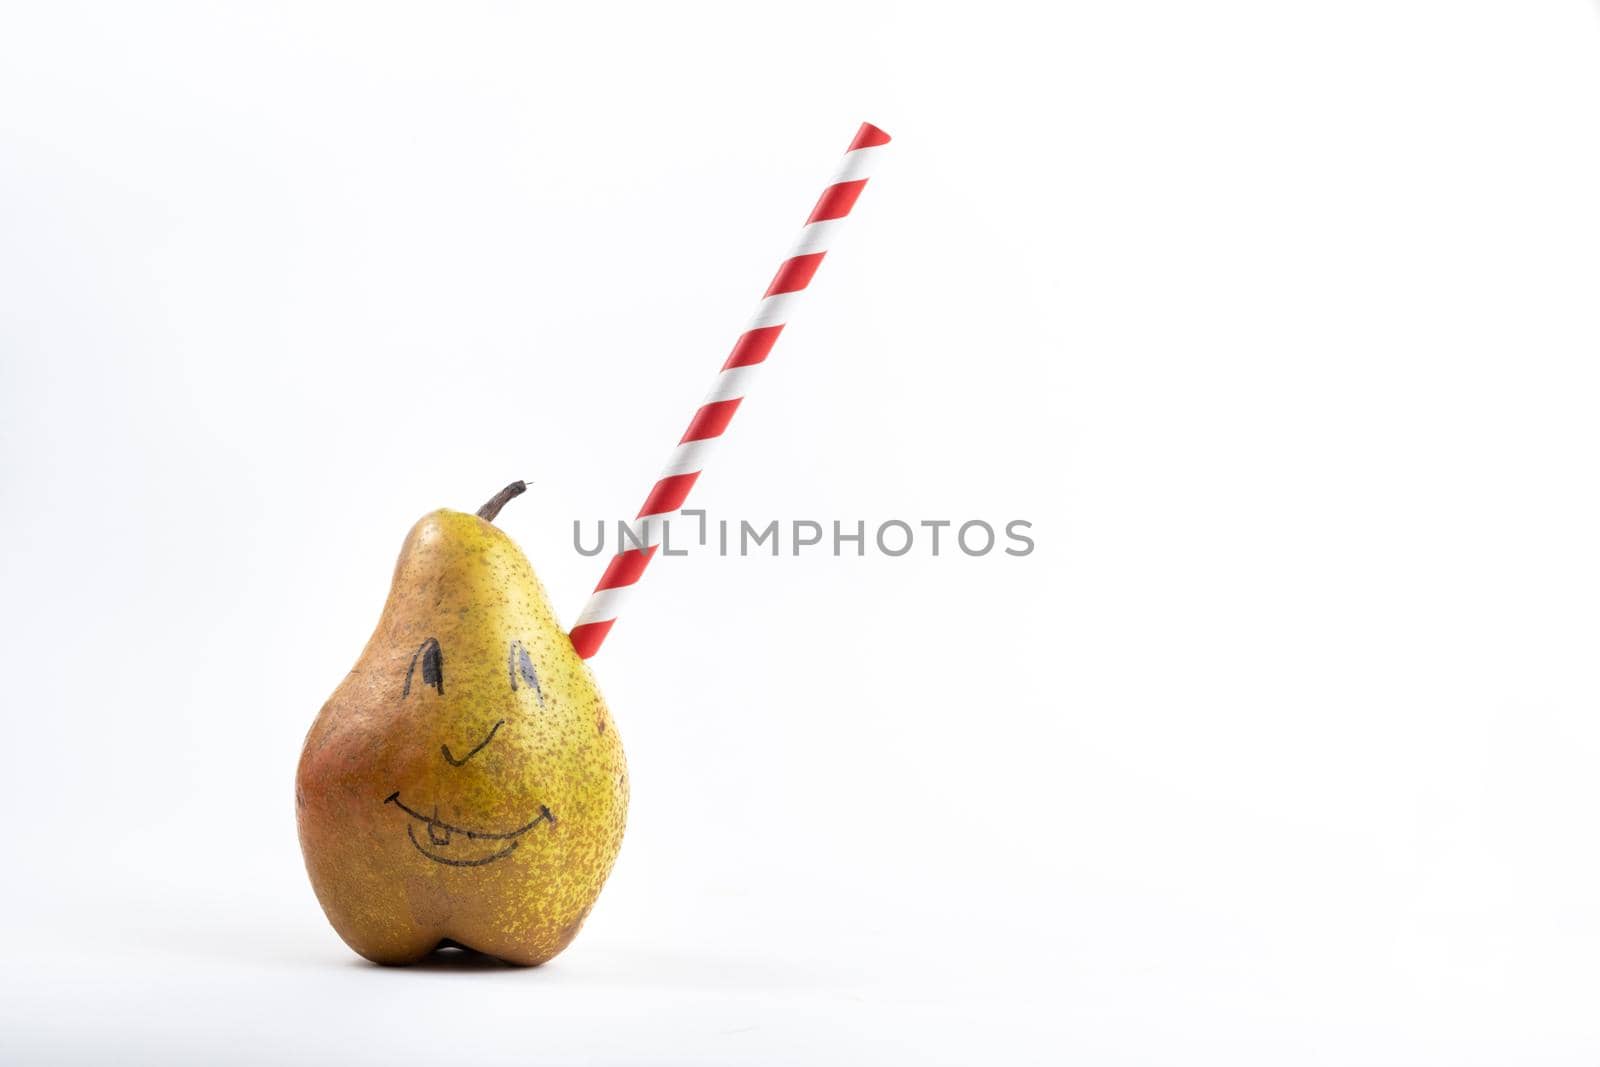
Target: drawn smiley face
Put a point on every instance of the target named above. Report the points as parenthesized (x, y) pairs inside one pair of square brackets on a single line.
[(445, 842)]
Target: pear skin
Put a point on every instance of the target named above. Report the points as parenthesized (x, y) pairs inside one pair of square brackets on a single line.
[(464, 783)]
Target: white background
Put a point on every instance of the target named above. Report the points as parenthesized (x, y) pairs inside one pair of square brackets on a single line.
[(1277, 321)]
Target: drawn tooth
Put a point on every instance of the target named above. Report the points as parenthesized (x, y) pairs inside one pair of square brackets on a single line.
[(438, 835)]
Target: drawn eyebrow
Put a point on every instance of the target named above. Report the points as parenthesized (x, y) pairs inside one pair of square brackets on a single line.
[(432, 667), (519, 662)]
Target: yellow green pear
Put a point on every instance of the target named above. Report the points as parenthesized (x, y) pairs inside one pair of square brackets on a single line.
[(464, 784)]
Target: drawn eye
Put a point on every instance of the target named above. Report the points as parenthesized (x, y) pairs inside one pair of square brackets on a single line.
[(432, 667), (520, 665)]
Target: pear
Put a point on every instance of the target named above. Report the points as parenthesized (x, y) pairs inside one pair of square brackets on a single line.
[(464, 784)]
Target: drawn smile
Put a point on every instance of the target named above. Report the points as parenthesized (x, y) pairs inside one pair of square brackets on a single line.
[(441, 834)]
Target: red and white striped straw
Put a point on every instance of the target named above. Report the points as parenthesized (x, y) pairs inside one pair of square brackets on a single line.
[(716, 411)]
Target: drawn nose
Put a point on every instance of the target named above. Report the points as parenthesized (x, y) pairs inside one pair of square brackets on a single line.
[(444, 750)]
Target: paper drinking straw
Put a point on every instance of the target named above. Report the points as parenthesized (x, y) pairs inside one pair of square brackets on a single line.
[(716, 411)]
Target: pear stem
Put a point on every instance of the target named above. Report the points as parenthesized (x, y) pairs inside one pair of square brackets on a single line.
[(488, 512)]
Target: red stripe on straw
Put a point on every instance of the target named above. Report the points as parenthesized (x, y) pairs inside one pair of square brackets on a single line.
[(795, 274), (711, 420), (669, 494), (868, 136), (588, 637), (836, 201), (753, 346), (625, 567)]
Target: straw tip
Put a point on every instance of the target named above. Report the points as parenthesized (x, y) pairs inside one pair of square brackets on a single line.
[(868, 136)]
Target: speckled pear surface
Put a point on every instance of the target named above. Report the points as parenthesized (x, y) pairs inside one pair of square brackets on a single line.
[(465, 782)]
